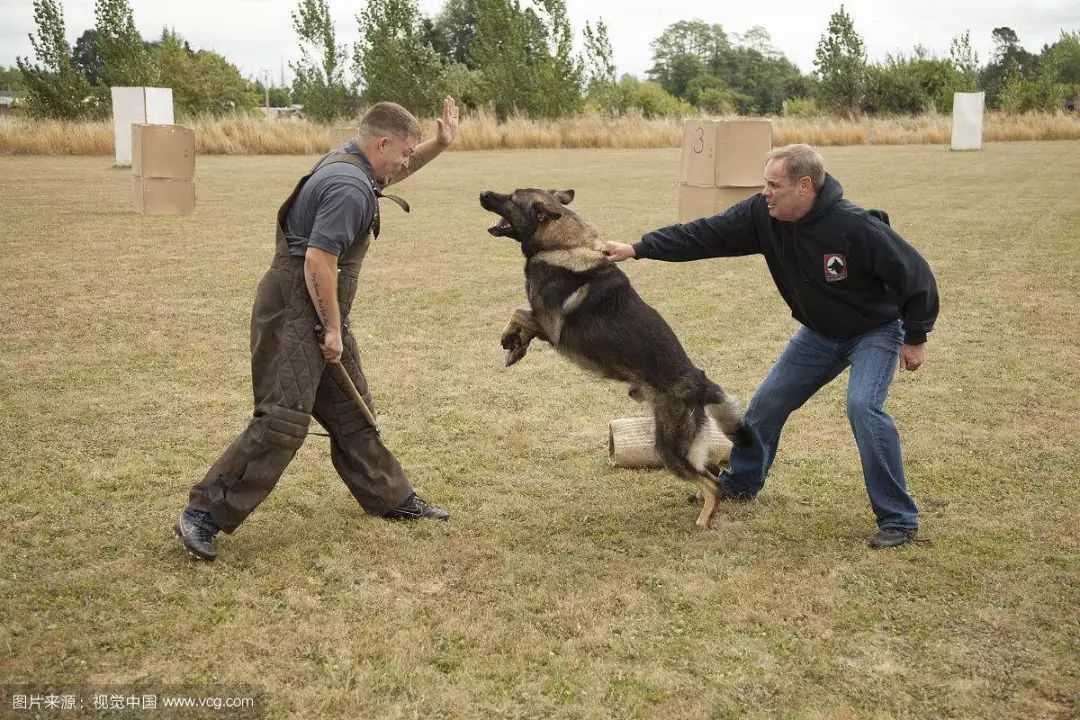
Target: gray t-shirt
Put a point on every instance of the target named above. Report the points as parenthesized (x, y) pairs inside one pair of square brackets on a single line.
[(332, 208)]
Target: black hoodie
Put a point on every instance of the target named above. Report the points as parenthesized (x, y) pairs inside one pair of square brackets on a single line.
[(841, 269)]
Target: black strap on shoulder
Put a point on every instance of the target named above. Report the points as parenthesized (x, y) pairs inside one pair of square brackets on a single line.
[(394, 198), (880, 215)]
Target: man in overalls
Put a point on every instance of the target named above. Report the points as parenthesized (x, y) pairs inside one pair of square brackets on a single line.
[(300, 330)]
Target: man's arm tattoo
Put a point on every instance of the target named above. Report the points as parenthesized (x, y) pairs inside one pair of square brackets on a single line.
[(320, 308), (415, 163)]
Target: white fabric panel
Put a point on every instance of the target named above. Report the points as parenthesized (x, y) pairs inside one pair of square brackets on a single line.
[(967, 121), (136, 105), (159, 107), (129, 107)]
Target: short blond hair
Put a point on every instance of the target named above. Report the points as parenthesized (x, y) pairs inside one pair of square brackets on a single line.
[(388, 119), (801, 161)]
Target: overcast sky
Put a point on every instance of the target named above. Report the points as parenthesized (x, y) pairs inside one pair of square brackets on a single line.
[(257, 34)]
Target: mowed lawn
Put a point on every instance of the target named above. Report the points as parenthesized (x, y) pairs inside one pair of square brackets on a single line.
[(562, 587)]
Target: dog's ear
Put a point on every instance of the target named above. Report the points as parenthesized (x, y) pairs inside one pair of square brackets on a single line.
[(564, 196), (545, 208)]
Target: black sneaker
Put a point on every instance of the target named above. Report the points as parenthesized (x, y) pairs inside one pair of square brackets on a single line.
[(733, 495), (894, 537), (414, 508), (197, 538)]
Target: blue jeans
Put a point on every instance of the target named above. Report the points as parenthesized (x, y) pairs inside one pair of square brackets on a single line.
[(808, 363)]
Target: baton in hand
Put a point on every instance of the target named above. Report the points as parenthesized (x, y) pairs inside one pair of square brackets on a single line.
[(343, 376)]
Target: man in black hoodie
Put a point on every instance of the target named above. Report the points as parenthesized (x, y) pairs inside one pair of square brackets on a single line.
[(864, 297)]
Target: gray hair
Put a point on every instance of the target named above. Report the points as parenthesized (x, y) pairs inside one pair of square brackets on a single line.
[(387, 119), (801, 161)]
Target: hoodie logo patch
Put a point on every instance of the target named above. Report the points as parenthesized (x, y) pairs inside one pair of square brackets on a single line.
[(835, 267)]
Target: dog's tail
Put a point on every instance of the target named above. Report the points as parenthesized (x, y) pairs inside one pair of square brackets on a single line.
[(725, 411)]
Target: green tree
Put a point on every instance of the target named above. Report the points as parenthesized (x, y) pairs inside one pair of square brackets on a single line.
[(598, 66), (1062, 63), (650, 99), (1063, 58), (713, 95), (1036, 93), (840, 63), (394, 59), (966, 61), (452, 31), (85, 56), (757, 75), (319, 82), (1010, 62), (464, 85), (11, 78), (450, 34), (762, 81), (757, 38), (279, 96), (685, 50), (1007, 49), (54, 88), (202, 82), (525, 55), (125, 60), (911, 85), (561, 71)]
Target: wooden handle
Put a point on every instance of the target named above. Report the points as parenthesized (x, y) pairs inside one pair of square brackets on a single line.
[(343, 374)]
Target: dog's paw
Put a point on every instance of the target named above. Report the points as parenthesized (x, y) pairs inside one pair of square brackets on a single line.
[(515, 354), (515, 345), (511, 339)]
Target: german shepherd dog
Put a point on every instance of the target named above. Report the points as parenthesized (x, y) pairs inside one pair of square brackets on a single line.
[(586, 308)]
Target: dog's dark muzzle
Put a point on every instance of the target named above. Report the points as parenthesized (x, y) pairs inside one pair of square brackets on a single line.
[(497, 203)]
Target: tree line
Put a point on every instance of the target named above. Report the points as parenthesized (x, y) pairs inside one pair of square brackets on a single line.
[(517, 57)]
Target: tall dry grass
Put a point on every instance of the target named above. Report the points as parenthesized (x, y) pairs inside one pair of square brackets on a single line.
[(247, 135)]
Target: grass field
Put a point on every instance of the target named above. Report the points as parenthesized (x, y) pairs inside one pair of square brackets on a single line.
[(562, 587)]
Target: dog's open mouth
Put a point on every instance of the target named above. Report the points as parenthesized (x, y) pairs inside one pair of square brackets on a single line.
[(501, 228)]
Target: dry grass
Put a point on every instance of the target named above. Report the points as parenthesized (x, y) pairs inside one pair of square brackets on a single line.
[(481, 131), (562, 588)]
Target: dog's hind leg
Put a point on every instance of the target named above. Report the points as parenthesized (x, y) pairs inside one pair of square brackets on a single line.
[(682, 442), (710, 493), (725, 410), (698, 456)]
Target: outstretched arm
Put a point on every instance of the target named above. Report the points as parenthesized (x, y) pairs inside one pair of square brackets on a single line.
[(429, 149), (729, 233)]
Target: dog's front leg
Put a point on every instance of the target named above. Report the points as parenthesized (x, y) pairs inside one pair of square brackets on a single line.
[(518, 333)]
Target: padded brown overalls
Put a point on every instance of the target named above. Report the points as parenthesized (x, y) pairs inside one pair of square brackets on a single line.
[(292, 383)]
